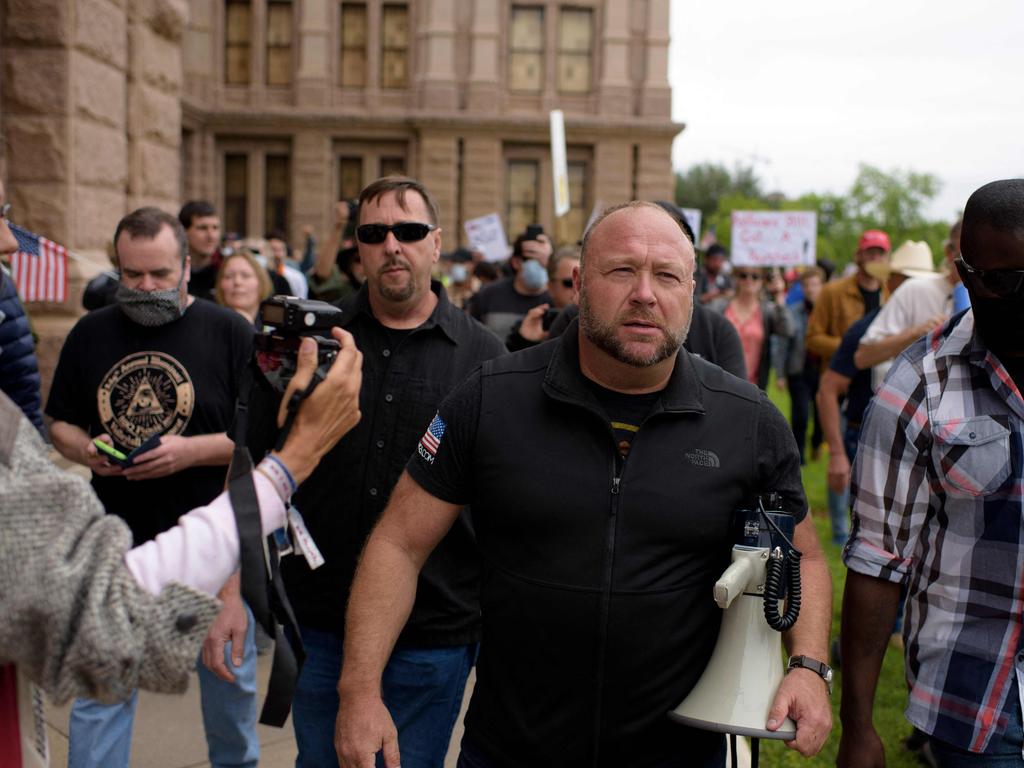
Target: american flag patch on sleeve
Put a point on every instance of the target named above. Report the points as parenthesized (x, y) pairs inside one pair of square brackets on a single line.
[(431, 439)]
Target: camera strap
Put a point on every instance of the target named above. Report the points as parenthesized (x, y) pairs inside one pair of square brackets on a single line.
[(261, 584)]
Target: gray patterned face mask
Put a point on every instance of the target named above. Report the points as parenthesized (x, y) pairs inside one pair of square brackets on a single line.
[(151, 308)]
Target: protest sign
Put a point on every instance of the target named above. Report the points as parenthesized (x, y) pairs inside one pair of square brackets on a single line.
[(487, 235), (693, 219), (774, 238)]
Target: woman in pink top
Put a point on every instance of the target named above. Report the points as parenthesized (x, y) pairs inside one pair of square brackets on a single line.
[(756, 318)]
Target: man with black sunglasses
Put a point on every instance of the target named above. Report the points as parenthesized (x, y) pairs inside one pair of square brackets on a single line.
[(938, 505), (416, 346)]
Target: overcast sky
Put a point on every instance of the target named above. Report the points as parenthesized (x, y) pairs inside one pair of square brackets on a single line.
[(805, 90)]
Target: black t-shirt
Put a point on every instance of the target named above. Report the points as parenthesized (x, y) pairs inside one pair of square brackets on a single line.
[(499, 305), (625, 412), (131, 382), (872, 299)]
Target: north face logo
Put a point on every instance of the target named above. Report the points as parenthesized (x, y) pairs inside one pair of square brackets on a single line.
[(700, 457)]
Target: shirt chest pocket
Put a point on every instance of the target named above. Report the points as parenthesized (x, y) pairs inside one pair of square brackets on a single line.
[(972, 455)]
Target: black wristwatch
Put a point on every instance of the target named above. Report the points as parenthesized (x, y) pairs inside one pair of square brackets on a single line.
[(819, 668)]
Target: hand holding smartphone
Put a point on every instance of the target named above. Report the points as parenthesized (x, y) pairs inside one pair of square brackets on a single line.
[(115, 456)]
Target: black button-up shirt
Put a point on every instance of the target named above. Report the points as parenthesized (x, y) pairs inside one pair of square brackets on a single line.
[(406, 375)]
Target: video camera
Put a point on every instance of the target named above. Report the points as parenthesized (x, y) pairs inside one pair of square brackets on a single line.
[(287, 321)]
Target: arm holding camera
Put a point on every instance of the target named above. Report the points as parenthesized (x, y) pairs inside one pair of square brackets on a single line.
[(73, 595)]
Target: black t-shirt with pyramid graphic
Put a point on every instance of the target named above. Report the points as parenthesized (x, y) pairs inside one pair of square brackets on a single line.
[(119, 378)]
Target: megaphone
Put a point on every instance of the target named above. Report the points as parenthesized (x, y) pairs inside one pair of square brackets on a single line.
[(736, 690)]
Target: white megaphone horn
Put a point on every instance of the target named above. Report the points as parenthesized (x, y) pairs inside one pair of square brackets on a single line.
[(738, 686)]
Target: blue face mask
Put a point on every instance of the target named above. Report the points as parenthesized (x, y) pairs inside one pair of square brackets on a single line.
[(458, 273), (534, 275)]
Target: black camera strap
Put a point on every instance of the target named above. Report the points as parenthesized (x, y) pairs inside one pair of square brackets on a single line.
[(261, 584)]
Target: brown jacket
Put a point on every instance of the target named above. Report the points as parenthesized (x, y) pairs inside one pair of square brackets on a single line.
[(839, 306)]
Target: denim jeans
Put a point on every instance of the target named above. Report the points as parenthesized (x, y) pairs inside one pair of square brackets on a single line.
[(1006, 753), (422, 690), (100, 735)]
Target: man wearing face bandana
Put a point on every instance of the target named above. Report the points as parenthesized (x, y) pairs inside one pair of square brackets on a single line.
[(156, 364), (502, 304), (938, 504)]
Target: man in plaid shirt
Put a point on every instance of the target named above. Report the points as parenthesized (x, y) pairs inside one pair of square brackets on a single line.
[(938, 489)]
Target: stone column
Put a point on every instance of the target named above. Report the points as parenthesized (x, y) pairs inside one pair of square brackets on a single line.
[(655, 94), (312, 196), (438, 158), (437, 83), (614, 88), (200, 52), (314, 41), (482, 96), (613, 171), (481, 178), (654, 179)]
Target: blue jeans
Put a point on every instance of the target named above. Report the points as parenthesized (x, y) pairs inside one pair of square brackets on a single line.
[(839, 503), (100, 735), (422, 689), (1006, 752)]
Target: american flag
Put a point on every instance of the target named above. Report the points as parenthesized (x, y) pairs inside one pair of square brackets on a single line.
[(40, 267), (431, 439)]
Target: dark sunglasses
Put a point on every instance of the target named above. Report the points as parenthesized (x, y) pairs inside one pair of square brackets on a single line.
[(740, 275), (566, 282), (406, 232), (1004, 283)]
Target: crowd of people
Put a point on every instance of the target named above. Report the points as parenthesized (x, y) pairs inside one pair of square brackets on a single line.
[(553, 514)]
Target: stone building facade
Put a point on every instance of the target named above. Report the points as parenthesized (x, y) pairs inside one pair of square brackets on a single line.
[(275, 109)]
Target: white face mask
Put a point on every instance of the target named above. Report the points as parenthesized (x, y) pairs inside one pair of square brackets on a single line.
[(458, 273), (534, 275)]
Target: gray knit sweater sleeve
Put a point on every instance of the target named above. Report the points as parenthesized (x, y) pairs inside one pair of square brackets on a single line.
[(74, 619)]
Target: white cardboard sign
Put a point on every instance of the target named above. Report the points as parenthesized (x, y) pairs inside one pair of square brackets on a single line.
[(774, 238), (693, 219), (487, 235)]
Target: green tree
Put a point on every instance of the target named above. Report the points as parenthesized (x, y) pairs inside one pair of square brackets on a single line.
[(704, 185)]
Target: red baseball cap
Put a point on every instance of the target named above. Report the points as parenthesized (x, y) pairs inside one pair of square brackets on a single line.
[(874, 238)]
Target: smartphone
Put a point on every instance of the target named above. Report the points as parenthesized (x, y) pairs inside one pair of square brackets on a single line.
[(121, 459), (533, 231), (549, 317), (112, 453)]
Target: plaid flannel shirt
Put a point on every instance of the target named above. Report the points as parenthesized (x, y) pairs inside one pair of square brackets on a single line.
[(938, 502)]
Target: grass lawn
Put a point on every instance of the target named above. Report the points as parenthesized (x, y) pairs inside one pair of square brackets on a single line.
[(891, 697)]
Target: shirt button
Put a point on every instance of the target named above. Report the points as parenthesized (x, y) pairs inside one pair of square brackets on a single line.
[(972, 435), (388, 398), (380, 443), (373, 491), (386, 353)]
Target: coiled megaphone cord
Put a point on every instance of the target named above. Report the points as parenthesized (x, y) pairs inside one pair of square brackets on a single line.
[(773, 589)]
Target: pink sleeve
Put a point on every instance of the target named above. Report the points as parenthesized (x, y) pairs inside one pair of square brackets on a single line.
[(201, 551)]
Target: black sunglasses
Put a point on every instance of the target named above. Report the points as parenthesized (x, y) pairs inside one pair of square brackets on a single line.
[(1004, 283), (741, 275), (406, 232)]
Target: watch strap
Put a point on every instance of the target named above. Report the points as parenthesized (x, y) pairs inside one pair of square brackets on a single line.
[(820, 668)]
